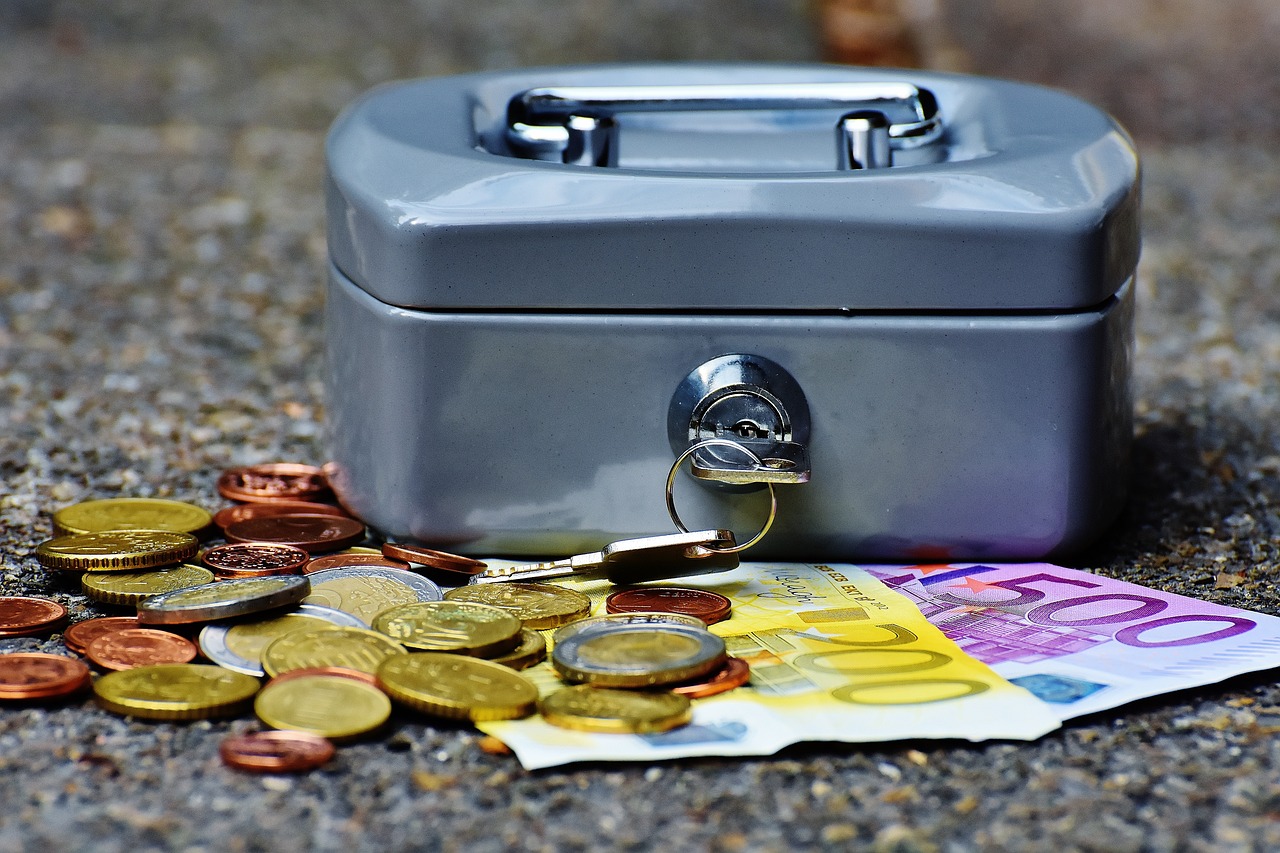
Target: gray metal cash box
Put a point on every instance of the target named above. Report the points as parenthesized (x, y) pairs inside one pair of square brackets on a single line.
[(900, 301)]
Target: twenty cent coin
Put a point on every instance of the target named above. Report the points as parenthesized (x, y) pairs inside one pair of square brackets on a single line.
[(710, 607), (459, 627), (223, 600), (457, 687), (353, 648), (130, 514), (26, 616), (116, 550), (238, 645), (276, 752), (184, 691), (35, 675), (134, 647), (593, 709), (312, 533), (129, 588), (538, 605), (330, 706)]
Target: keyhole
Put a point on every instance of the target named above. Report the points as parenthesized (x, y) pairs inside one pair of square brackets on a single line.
[(749, 429)]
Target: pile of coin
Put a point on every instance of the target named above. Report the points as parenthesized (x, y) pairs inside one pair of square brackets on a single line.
[(341, 630)]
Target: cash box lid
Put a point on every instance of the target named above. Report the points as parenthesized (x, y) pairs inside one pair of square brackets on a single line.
[(1026, 200)]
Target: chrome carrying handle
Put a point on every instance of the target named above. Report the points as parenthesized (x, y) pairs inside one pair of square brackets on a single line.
[(576, 125)]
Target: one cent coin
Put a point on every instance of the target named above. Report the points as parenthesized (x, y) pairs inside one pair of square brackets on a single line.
[(134, 647), (276, 752), (312, 533), (254, 559), (274, 481), (35, 675), (710, 607), (433, 559), (342, 561), (735, 673), (23, 616), (80, 635), (243, 512)]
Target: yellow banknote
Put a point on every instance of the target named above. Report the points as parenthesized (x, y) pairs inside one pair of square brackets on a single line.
[(835, 656)]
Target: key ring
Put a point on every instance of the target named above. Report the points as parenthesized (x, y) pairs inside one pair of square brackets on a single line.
[(671, 500)]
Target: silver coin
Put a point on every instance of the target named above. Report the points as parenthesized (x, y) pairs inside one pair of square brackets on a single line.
[(222, 600), (643, 654), (366, 591), (238, 645)]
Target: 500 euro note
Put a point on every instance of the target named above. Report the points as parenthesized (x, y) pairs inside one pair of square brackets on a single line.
[(1083, 642), (835, 656)]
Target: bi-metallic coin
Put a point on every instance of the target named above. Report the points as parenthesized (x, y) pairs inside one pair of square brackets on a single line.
[(364, 592), (223, 600), (636, 655)]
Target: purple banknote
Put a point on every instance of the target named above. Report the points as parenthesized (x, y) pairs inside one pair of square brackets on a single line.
[(1082, 642)]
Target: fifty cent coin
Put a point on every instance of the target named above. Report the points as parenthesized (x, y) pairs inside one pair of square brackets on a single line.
[(116, 550)]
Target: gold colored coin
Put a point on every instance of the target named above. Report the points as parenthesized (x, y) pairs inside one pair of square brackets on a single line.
[(329, 706), (130, 514), (354, 648), (537, 605), (129, 588), (596, 709), (238, 645), (457, 687), (184, 691), (459, 627), (532, 650), (116, 550)]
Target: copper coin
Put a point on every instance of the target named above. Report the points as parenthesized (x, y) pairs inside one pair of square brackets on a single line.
[(275, 481), (80, 635), (276, 752), (735, 673), (252, 559), (134, 647), (433, 559), (331, 671), (22, 616), (241, 512), (312, 533), (710, 607), (35, 675), (340, 561)]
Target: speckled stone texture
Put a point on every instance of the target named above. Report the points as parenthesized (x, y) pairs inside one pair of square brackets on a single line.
[(161, 260)]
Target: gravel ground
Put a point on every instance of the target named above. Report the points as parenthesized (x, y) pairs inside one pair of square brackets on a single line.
[(161, 258)]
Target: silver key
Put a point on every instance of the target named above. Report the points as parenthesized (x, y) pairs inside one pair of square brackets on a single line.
[(629, 561)]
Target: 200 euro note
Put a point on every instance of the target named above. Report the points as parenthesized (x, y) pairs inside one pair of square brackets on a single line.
[(1083, 642), (835, 656)]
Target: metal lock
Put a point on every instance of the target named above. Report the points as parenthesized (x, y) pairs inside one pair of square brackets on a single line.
[(756, 410)]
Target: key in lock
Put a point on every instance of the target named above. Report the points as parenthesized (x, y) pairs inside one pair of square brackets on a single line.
[(752, 402)]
